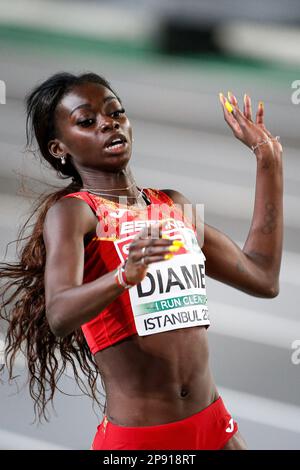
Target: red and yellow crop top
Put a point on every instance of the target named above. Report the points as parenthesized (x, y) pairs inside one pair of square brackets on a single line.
[(117, 225)]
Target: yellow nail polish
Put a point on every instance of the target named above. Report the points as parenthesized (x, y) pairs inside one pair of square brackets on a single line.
[(166, 237), (228, 107), (230, 95), (261, 104), (177, 243), (174, 248), (168, 256), (221, 96), (245, 97)]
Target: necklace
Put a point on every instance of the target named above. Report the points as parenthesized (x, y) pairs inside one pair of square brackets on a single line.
[(118, 189), (140, 200), (114, 195)]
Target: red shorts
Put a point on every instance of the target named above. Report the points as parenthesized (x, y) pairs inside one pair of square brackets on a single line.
[(209, 429)]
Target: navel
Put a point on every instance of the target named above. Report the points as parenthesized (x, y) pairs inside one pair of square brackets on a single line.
[(183, 392)]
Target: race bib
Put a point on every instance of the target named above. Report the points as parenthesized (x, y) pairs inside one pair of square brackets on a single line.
[(173, 293)]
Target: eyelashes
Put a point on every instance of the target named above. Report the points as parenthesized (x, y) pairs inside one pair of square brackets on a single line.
[(120, 111), (89, 122), (86, 122)]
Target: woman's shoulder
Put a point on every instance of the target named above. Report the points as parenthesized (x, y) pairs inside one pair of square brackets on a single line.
[(85, 197), (71, 210), (176, 196), (170, 196), (67, 201)]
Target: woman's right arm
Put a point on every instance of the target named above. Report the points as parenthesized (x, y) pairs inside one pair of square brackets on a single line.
[(69, 303)]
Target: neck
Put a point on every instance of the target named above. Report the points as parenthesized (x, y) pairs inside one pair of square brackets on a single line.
[(106, 181), (111, 185)]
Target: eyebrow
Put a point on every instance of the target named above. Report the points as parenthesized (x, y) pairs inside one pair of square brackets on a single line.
[(87, 105)]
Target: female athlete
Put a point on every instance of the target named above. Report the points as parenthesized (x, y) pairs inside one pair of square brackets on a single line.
[(115, 290)]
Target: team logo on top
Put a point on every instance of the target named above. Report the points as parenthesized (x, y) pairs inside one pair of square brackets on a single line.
[(118, 213), (230, 428)]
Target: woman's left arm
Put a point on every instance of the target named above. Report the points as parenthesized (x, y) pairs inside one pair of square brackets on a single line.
[(255, 268)]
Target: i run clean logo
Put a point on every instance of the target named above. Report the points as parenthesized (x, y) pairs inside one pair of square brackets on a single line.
[(2, 92)]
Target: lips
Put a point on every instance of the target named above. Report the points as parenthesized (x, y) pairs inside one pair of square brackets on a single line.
[(115, 137), (116, 149), (116, 144)]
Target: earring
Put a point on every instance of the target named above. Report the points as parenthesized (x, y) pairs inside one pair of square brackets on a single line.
[(63, 160)]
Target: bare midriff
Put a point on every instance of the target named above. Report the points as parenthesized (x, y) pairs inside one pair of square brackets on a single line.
[(157, 379)]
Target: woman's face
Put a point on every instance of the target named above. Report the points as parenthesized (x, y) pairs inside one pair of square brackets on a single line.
[(87, 119)]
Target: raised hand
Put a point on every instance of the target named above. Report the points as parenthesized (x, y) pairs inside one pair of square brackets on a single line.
[(249, 132)]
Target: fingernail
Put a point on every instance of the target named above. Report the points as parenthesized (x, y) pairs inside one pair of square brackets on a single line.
[(221, 97), (228, 107), (173, 248), (261, 104), (230, 95), (165, 236), (168, 256), (178, 243), (245, 97)]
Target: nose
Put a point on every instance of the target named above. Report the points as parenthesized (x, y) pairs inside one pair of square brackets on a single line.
[(109, 124)]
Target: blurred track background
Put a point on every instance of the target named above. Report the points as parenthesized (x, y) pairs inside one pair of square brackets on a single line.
[(168, 60)]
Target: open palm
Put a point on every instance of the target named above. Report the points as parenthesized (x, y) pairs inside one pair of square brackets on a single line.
[(249, 132)]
